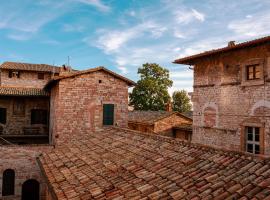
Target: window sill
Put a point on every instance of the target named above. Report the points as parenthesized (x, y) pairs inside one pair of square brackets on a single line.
[(247, 83)]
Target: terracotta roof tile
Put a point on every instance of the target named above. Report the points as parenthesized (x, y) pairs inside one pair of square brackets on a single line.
[(15, 91), (30, 67), (78, 73), (150, 117), (122, 164)]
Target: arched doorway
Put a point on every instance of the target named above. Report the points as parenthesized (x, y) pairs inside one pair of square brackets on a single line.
[(30, 190), (8, 182)]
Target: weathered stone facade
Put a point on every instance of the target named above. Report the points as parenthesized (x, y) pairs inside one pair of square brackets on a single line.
[(27, 79), (22, 159), (77, 103), (158, 122), (225, 102), (17, 121), (74, 105)]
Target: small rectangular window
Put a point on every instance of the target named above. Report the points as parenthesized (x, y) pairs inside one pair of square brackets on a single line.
[(39, 116), (41, 76), (108, 114), (253, 140), (15, 74), (254, 72), (3, 115)]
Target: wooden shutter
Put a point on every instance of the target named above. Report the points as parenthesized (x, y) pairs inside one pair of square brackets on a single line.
[(108, 114)]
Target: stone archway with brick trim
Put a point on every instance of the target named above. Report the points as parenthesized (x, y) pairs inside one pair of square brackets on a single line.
[(210, 106), (258, 104)]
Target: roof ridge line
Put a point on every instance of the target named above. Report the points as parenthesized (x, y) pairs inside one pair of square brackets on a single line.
[(200, 146)]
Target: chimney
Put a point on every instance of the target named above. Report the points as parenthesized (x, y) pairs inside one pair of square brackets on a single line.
[(231, 44), (169, 106)]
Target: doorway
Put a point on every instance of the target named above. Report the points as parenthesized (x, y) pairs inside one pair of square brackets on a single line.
[(30, 190)]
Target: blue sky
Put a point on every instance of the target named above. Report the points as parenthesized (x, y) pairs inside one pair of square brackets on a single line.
[(123, 34)]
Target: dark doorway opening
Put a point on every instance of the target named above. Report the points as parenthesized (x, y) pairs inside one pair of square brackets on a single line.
[(30, 190), (8, 182)]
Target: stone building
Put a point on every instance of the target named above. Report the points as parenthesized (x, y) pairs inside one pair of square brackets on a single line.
[(166, 123), (42, 106), (231, 99)]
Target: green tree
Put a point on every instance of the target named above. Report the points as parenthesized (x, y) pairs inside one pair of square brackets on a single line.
[(181, 101), (151, 91)]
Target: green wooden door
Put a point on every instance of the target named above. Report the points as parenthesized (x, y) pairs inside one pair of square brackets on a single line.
[(108, 114)]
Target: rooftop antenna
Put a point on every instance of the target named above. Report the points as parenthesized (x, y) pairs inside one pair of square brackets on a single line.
[(68, 61)]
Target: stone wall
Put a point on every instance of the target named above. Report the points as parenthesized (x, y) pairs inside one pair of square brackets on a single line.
[(22, 159), (28, 79), (77, 103), (147, 128), (18, 118), (224, 101), (165, 126)]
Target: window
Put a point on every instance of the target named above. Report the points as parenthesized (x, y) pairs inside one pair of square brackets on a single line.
[(108, 114), (39, 116), (3, 115), (253, 72), (8, 182), (19, 107), (253, 140), (12, 74), (41, 76)]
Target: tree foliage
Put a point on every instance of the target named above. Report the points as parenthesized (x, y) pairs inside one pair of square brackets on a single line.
[(181, 101), (151, 91)]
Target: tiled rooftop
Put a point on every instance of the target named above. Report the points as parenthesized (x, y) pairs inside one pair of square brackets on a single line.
[(15, 91), (121, 164), (30, 67), (149, 117)]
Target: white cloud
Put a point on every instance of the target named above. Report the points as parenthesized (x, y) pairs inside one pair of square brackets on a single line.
[(178, 34), (123, 70), (19, 36), (253, 26), (113, 40), (185, 17), (97, 3)]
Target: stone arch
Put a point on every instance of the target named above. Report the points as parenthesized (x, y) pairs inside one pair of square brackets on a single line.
[(210, 115), (8, 184), (30, 190), (259, 104)]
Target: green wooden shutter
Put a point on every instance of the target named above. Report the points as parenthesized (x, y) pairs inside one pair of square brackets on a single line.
[(108, 114)]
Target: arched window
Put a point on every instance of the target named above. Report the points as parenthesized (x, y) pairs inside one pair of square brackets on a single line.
[(8, 182), (30, 190)]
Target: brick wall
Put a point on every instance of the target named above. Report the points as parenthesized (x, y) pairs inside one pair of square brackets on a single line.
[(164, 126), (23, 161), (77, 103), (147, 128), (15, 122), (220, 88), (27, 79)]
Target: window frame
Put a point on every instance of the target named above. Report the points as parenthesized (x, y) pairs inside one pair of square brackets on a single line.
[(14, 74), (245, 80), (254, 131), (252, 122), (4, 120), (104, 122), (253, 71)]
